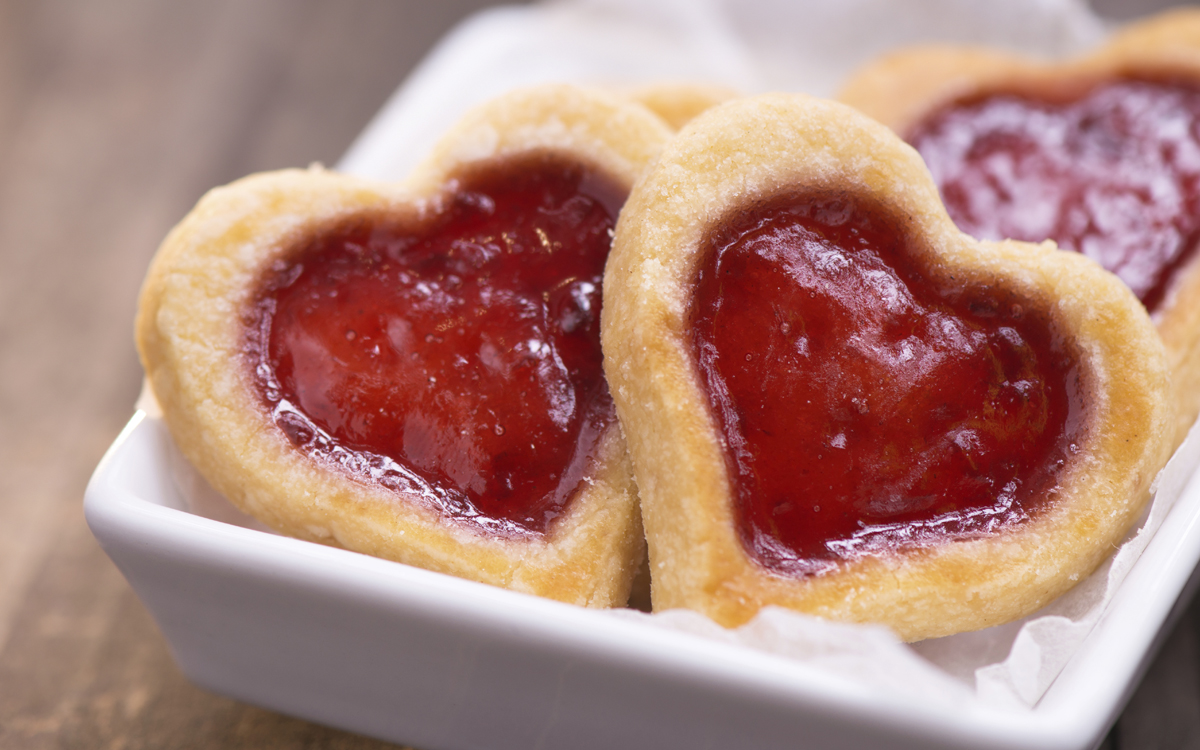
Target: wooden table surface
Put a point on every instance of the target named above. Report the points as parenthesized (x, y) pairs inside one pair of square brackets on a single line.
[(114, 118)]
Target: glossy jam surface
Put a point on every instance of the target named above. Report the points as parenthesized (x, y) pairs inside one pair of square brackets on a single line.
[(864, 408), (1113, 173), (455, 359)]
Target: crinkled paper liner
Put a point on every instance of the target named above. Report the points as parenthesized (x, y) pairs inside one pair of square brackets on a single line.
[(1008, 665)]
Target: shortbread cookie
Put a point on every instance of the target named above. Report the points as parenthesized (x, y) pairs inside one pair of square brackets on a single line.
[(837, 402), (1100, 154), (679, 102), (413, 370)]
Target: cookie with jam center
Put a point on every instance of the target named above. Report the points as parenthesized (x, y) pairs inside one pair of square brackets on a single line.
[(413, 370), (1100, 154), (837, 402)]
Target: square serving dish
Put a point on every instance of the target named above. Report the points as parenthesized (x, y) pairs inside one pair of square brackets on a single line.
[(440, 663), (437, 662), (426, 659)]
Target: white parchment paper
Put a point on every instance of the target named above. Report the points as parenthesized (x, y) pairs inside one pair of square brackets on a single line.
[(1009, 665), (751, 45)]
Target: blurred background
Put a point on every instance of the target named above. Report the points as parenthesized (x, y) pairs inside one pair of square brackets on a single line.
[(114, 118)]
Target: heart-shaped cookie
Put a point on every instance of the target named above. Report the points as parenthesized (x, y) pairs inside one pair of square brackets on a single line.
[(413, 371), (1100, 154), (836, 401)]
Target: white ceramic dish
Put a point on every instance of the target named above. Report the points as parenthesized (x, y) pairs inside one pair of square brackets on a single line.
[(420, 658)]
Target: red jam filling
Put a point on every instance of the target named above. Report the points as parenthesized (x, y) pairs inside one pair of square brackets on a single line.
[(455, 359), (865, 408), (1113, 173)]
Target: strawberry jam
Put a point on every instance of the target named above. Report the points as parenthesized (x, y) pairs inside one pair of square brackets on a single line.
[(864, 407), (1112, 172), (454, 359)]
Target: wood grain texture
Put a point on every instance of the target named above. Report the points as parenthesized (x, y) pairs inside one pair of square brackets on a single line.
[(114, 118)]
